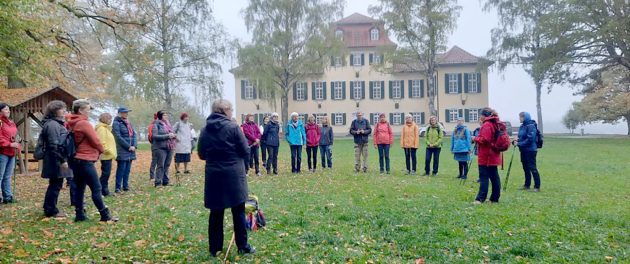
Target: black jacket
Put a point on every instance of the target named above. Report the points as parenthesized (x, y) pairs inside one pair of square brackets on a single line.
[(223, 146), (358, 125), (271, 134), (54, 133)]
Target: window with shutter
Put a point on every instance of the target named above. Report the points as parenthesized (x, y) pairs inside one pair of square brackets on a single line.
[(416, 89), (396, 90), (417, 117), (300, 91), (452, 84), (377, 90), (337, 91), (357, 90), (249, 90), (472, 83), (473, 115), (356, 59), (397, 120), (318, 90)]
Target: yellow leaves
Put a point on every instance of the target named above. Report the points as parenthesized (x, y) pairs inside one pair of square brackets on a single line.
[(21, 253), (609, 258), (64, 261), (140, 243)]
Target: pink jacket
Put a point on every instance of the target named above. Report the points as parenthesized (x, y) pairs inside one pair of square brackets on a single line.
[(251, 131), (312, 135), (383, 134)]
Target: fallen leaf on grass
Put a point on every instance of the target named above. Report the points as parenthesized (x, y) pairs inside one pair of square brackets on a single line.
[(21, 253), (48, 234), (6, 231), (180, 238), (139, 243), (53, 252), (64, 261), (420, 261), (609, 258), (101, 245)]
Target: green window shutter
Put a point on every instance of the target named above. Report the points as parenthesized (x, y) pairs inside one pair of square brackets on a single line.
[(391, 118), (447, 116), (382, 58), (324, 89), (421, 88), (382, 89), (313, 90), (459, 83), (332, 90), (371, 117), (362, 59), (479, 82), (294, 91), (371, 58), (467, 115), (460, 112), (242, 89), (344, 119), (422, 118), (402, 89), (305, 91), (446, 83), (362, 89), (371, 92), (390, 90), (254, 92), (410, 82), (466, 82), (343, 90), (351, 59), (351, 90)]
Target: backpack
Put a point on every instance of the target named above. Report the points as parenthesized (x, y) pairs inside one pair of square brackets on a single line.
[(40, 148), (150, 129), (70, 146), (254, 216), (539, 137), (501, 137)]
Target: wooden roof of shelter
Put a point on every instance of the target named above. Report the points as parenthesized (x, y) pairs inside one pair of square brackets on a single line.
[(33, 100)]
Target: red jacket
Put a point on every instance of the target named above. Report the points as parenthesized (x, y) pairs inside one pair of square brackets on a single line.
[(8, 131), (312, 135), (251, 131), (487, 156), (383, 134), (88, 145)]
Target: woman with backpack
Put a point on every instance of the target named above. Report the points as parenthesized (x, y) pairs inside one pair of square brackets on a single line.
[(460, 147), (489, 158), (55, 162), (163, 144), (383, 139), (8, 148), (271, 136), (409, 142), (434, 136), (184, 145), (88, 149), (312, 142), (527, 145)]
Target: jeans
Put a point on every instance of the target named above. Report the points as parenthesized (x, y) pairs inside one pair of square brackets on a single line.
[(7, 166), (215, 228), (326, 153), (490, 173), (253, 158), (272, 159), (311, 155), (435, 153), (164, 158), (122, 174), (52, 196), (85, 175), (296, 158), (463, 169), (360, 150), (383, 156), (153, 164), (410, 159), (528, 158), (263, 153), (106, 171)]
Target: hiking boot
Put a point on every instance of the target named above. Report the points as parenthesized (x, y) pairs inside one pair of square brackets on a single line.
[(258, 174), (177, 172), (387, 172), (106, 216), (117, 191), (186, 172), (523, 188), (536, 190), (477, 202), (434, 174), (247, 250), (364, 170), (80, 215), (413, 172), (58, 215), (382, 172), (8, 201)]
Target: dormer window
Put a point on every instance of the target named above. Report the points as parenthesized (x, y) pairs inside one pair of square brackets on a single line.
[(339, 33), (374, 34)]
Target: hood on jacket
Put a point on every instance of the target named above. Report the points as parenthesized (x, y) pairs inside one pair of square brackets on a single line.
[(101, 124), (73, 119), (527, 118), (216, 121)]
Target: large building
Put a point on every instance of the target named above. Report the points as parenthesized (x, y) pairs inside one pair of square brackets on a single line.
[(352, 84)]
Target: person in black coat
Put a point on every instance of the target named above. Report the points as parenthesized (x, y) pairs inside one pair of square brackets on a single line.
[(223, 146), (55, 164), (271, 136)]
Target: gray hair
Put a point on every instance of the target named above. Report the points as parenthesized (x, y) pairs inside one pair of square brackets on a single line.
[(408, 116), (78, 104), (52, 107), (274, 114), (219, 106), (104, 117)]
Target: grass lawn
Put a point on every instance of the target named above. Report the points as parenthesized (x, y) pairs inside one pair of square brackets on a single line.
[(582, 215)]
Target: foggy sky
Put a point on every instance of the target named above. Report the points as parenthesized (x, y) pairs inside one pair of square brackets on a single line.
[(511, 91)]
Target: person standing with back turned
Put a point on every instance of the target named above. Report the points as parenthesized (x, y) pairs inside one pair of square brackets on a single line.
[(527, 138)]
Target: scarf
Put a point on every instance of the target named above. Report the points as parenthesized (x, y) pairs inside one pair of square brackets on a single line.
[(167, 126), (128, 125), (294, 124)]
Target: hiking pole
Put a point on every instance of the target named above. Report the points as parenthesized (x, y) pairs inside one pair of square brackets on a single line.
[(507, 177), (463, 181), (227, 253)]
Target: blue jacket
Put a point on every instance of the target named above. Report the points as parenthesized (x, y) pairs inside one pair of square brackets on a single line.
[(271, 135), (124, 140), (527, 134), (461, 140), (360, 125), (295, 135)]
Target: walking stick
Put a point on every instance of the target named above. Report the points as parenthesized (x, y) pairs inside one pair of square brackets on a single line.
[(507, 177), (463, 181), (227, 253)]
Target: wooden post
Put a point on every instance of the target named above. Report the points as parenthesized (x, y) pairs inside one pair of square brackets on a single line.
[(27, 129)]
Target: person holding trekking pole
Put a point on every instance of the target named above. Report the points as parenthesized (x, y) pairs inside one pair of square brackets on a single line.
[(526, 142), (489, 158), (8, 150)]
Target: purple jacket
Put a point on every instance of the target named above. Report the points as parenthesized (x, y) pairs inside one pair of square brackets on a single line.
[(251, 131)]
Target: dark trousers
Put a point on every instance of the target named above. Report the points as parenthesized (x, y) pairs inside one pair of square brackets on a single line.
[(489, 173), (253, 158), (263, 153), (383, 156), (410, 159), (528, 158), (52, 196), (326, 153), (463, 169), (122, 174), (164, 158), (153, 164), (435, 153), (106, 171), (85, 175), (272, 158), (215, 228), (311, 155), (72, 187), (296, 158)]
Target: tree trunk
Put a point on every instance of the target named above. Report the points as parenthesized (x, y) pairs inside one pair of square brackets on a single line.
[(628, 123), (539, 106), (165, 59), (431, 92), (284, 105)]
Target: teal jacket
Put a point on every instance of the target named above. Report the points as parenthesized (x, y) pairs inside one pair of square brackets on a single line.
[(295, 135)]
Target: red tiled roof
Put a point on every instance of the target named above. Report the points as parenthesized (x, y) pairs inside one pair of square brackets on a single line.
[(457, 55), (356, 31), (356, 18)]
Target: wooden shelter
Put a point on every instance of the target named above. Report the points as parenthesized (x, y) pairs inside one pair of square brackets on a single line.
[(28, 104)]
